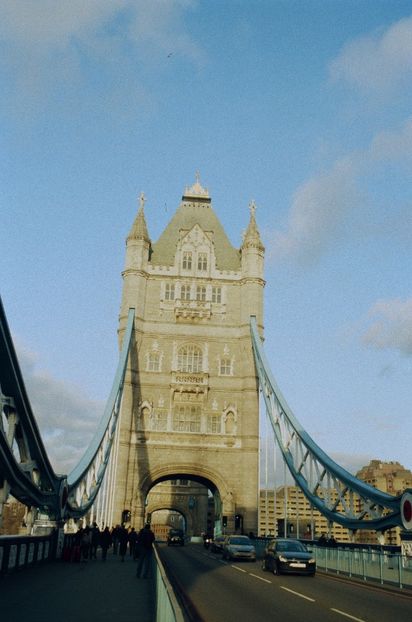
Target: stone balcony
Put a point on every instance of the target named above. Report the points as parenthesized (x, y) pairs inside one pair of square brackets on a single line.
[(192, 382), (191, 309)]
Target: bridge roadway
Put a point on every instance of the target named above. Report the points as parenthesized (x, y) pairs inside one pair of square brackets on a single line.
[(93, 591), (242, 592)]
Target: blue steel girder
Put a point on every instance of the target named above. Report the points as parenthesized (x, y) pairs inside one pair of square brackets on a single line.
[(333, 491), (86, 478), (25, 470)]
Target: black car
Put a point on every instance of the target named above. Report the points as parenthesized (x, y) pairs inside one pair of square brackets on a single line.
[(284, 555), (175, 538)]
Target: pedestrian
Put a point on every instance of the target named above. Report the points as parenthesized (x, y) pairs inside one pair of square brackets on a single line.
[(123, 537), (105, 542), (85, 544), (95, 541), (115, 539), (145, 541), (132, 542)]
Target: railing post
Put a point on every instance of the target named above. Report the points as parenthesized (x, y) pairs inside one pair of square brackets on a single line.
[(381, 566), (400, 571), (363, 564)]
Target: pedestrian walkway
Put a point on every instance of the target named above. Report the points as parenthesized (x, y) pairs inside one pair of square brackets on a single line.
[(93, 590)]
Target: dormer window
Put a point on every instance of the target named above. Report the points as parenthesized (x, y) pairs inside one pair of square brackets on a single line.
[(202, 262), (187, 260)]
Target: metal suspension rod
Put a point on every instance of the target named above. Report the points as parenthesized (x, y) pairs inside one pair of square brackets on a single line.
[(328, 487)]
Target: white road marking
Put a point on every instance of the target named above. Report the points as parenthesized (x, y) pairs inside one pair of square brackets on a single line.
[(260, 578), (347, 615), (297, 594), (237, 568)]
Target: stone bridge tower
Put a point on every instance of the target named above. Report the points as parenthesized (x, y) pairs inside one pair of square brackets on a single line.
[(190, 405)]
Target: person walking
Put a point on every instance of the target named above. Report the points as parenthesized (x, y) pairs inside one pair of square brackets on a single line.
[(132, 542), (95, 533), (145, 541), (123, 540), (105, 542), (85, 544)]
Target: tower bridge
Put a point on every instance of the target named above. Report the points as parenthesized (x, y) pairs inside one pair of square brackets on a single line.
[(186, 396)]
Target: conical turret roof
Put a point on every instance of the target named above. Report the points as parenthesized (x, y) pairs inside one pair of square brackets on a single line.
[(139, 227), (252, 236)]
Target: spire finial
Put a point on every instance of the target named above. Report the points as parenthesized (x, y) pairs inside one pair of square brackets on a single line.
[(197, 176), (252, 207), (142, 200)]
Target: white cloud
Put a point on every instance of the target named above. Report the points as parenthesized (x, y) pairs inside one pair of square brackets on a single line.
[(393, 144), (46, 23), (67, 419), (324, 205), (319, 209), (379, 61), (351, 462), (50, 49), (391, 327)]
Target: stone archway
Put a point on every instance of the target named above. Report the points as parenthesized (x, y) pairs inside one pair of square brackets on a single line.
[(223, 497)]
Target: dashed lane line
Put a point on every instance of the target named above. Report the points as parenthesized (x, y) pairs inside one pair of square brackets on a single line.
[(312, 600), (260, 578), (237, 568), (347, 615)]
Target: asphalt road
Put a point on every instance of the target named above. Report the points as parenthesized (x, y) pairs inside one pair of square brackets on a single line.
[(242, 592)]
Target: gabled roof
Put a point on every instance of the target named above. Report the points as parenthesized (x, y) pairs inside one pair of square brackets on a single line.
[(195, 210)]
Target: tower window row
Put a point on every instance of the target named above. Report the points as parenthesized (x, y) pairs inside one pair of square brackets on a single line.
[(187, 291), (189, 360), (189, 418)]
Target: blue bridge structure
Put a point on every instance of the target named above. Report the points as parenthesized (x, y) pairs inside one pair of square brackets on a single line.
[(27, 474)]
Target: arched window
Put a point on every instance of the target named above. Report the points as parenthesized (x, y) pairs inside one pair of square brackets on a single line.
[(189, 359)]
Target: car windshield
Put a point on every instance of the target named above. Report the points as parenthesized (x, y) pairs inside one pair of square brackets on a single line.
[(290, 546), (175, 532), (239, 540)]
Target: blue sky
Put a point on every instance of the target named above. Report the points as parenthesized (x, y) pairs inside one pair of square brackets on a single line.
[(303, 106)]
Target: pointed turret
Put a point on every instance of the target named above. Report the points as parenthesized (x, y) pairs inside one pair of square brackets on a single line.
[(139, 227), (252, 258), (252, 248), (138, 246)]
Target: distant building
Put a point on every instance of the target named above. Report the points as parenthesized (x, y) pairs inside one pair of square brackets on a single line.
[(13, 518), (302, 521), (389, 477)]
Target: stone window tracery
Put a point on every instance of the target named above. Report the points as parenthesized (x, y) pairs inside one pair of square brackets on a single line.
[(185, 292), (202, 262), (169, 291), (225, 368), (189, 359), (153, 361), (187, 260), (216, 294), (214, 424), (201, 293), (187, 418)]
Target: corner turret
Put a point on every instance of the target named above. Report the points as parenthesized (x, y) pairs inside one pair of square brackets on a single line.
[(252, 282), (138, 242)]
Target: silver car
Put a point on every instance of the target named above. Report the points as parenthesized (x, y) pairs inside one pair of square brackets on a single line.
[(239, 547)]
